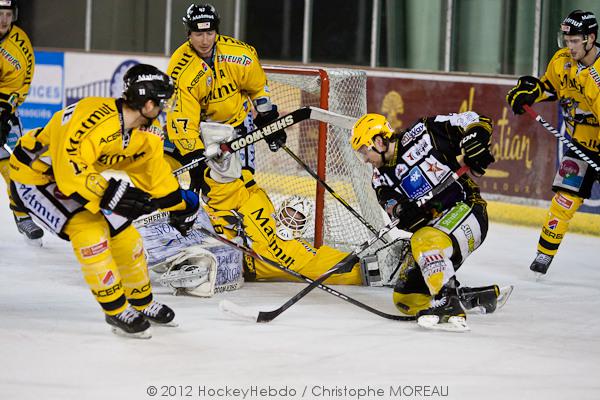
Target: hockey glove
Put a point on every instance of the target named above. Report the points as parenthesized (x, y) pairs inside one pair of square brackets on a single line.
[(183, 220), (126, 200), (196, 173), (527, 91), (276, 139), (411, 216), (6, 121), (475, 147)]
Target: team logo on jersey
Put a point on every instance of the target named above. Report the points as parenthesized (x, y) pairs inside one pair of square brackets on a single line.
[(434, 169), (415, 184), (552, 224), (93, 250), (417, 151), (413, 133)]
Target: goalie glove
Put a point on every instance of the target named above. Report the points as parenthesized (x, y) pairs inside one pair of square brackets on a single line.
[(475, 147), (126, 200), (276, 139), (527, 91), (183, 220)]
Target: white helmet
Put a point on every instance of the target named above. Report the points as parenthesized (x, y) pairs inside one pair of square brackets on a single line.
[(292, 217)]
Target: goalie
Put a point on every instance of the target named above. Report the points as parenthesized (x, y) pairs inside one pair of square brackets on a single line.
[(247, 214)]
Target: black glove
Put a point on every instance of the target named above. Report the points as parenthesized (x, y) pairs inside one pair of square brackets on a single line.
[(476, 149), (411, 216), (528, 89), (196, 173), (6, 121), (276, 139), (183, 220), (126, 200)]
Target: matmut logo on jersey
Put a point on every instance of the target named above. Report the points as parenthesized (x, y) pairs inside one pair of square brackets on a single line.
[(415, 184)]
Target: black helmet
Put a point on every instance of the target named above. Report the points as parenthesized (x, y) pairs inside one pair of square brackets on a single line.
[(144, 82), (579, 23), (10, 5), (201, 18)]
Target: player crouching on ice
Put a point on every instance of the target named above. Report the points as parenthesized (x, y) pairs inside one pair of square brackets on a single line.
[(56, 175), (408, 165)]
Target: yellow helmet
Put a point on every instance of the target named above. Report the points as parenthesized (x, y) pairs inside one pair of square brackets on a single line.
[(367, 127)]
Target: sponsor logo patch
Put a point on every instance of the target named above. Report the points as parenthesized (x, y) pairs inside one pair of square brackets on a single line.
[(552, 224), (563, 201), (94, 250), (109, 278), (415, 184)]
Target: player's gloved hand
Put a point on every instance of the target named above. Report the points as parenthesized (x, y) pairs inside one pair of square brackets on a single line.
[(276, 139), (411, 216), (126, 200), (475, 147), (196, 173), (527, 91), (6, 121), (183, 220)]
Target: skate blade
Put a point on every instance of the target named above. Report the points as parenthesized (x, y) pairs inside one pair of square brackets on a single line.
[(172, 324), (539, 277), (503, 296), (147, 334), (454, 324), (238, 312), (34, 242)]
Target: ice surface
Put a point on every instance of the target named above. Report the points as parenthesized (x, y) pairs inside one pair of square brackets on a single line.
[(544, 344)]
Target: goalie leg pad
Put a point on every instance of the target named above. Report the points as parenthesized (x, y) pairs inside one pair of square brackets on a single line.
[(193, 272)]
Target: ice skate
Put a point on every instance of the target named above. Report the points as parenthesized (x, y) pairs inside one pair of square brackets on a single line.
[(33, 234), (484, 300), (130, 323), (159, 314), (446, 313), (541, 264)]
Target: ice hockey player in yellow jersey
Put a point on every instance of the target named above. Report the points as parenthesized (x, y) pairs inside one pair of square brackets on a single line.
[(17, 63), (218, 79), (56, 176), (573, 77)]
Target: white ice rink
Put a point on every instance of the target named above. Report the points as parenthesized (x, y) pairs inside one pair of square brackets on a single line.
[(544, 344)]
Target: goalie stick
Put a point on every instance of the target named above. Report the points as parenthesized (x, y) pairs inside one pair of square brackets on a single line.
[(586, 155), (234, 309), (352, 258)]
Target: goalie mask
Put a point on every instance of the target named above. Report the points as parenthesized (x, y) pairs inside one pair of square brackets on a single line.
[(292, 218)]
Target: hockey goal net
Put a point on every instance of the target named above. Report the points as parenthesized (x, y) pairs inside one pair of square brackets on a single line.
[(326, 150)]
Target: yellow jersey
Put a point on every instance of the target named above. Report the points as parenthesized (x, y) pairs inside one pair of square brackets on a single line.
[(578, 89), (221, 94), (16, 67), (86, 138)]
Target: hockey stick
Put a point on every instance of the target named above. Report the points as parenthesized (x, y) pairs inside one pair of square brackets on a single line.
[(585, 154), (352, 258), (331, 191), (231, 307)]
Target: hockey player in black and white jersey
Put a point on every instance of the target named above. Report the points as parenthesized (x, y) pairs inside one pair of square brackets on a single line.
[(408, 165)]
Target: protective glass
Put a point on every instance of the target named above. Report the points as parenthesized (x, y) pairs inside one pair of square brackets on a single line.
[(168, 105)]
